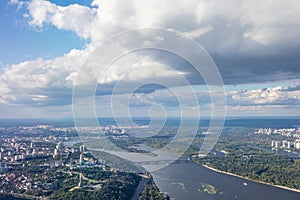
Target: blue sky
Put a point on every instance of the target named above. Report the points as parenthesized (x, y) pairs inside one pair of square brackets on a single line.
[(254, 44), (23, 42)]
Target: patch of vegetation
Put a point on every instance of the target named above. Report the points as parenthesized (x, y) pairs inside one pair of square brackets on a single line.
[(257, 165), (151, 192), (207, 188)]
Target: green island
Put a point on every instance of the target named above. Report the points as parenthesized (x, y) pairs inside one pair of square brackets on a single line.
[(207, 188)]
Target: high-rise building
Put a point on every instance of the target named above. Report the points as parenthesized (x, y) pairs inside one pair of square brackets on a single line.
[(82, 149), (34, 151), (73, 150), (297, 144), (56, 153), (273, 143), (286, 144), (277, 145)]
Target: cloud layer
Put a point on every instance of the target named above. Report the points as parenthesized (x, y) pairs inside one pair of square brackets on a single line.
[(250, 41), (235, 26)]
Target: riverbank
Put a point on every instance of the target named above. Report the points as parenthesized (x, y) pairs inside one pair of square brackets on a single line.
[(231, 174)]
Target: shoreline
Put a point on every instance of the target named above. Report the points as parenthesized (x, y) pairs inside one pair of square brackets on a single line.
[(248, 179)]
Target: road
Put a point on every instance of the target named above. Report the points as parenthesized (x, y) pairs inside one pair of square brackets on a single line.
[(140, 187)]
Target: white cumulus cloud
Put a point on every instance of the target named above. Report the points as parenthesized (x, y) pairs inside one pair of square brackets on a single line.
[(223, 27)]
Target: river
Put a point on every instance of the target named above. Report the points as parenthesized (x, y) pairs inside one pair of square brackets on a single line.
[(192, 181)]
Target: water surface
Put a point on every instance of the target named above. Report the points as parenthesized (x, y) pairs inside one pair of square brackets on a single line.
[(189, 181)]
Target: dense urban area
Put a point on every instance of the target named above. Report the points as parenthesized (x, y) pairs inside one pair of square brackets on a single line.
[(42, 162)]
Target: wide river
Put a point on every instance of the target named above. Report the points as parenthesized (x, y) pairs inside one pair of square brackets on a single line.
[(190, 181)]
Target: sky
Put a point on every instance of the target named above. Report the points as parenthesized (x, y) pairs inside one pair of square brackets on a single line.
[(254, 44)]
